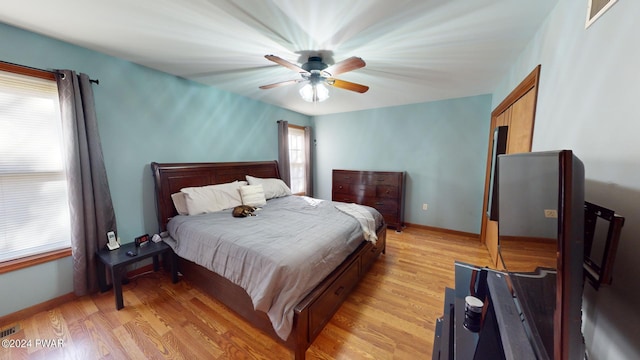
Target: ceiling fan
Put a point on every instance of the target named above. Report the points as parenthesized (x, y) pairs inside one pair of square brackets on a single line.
[(317, 74)]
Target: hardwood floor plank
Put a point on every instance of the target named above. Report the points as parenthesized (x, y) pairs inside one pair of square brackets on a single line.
[(390, 315), (133, 350), (101, 334)]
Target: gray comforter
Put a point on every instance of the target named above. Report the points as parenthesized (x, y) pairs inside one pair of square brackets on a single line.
[(278, 256)]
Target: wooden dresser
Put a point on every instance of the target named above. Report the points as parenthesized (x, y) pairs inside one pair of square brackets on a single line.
[(382, 190)]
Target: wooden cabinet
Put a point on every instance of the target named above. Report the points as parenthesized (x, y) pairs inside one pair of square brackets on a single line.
[(382, 190), (517, 112)]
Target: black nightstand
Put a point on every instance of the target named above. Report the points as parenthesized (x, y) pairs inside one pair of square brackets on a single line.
[(117, 261)]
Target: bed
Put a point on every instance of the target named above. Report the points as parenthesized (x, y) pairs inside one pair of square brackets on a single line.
[(316, 308)]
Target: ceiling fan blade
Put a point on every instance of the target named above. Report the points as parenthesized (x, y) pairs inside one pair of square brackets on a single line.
[(344, 66), (283, 83), (347, 85), (285, 63)]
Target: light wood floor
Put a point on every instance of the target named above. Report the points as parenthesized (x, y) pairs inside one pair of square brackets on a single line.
[(390, 315)]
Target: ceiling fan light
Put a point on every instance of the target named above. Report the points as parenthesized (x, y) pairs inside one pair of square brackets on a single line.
[(314, 93)]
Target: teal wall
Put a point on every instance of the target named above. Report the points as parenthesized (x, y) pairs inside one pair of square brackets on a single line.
[(143, 116), (588, 102), (442, 147)]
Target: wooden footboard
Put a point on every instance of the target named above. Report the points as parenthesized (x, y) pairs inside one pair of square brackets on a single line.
[(319, 306), (311, 314)]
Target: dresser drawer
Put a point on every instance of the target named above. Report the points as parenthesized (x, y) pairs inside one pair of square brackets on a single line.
[(387, 191), (390, 217), (363, 191), (381, 204), (345, 198), (373, 178), (341, 188), (337, 292), (347, 177)]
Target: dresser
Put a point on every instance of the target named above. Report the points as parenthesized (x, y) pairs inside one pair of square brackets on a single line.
[(382, 190)]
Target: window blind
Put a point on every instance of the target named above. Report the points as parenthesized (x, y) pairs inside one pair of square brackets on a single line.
[(34, 207)]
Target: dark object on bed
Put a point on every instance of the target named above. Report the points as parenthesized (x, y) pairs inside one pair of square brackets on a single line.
[(243, 211), (316, 309)]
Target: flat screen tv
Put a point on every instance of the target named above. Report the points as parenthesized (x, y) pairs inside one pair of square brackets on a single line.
[(540, 237)]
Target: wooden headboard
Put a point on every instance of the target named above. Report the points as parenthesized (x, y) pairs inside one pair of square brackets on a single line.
[(170, 178)]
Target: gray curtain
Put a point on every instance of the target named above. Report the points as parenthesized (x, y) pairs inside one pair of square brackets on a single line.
[(308, 164), (92, 214), (283, 151)]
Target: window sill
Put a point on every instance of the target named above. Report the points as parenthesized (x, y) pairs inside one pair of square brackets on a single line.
[(32, 260)]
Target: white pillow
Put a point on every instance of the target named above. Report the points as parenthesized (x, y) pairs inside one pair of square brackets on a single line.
[(273, 187), (253, 195), (210, 198), (180, 203)]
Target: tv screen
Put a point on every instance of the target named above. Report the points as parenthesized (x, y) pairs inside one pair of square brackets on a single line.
[(540, 239)]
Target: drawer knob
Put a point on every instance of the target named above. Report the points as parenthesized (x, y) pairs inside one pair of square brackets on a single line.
[(340, 187)]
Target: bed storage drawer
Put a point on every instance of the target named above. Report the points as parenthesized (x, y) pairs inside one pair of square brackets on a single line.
[(370, 254), (335, 295)]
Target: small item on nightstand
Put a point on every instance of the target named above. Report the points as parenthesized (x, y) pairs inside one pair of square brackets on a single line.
[(112, 242), (156, 238), (472, 313), (131, 253), (142, 240)]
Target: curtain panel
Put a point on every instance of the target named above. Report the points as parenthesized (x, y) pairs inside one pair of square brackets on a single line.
[(283, 151), (92, 214), (308, 171)]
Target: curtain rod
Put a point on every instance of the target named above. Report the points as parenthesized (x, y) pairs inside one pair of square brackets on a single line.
[(95, 81)]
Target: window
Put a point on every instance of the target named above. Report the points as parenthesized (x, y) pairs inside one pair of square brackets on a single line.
[(297, 160), (34, 208)]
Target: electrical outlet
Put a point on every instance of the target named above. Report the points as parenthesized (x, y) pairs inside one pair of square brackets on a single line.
[(424, 207), (550, 213)]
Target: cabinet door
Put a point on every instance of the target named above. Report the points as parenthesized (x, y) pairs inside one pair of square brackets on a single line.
[(521, 124), (517, 111)]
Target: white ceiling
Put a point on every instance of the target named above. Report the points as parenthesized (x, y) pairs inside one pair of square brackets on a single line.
[(416, 51)]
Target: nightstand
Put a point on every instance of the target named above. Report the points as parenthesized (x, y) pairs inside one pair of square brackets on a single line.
[(117, 260)]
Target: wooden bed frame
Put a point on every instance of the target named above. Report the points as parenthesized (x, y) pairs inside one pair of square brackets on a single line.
[(316, 309)]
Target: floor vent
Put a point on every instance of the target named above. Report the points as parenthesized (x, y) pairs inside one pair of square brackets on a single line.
[(9, 331)]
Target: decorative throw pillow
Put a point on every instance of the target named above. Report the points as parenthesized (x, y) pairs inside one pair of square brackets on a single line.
[(253, 195), (206, 199), (273, 187)]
